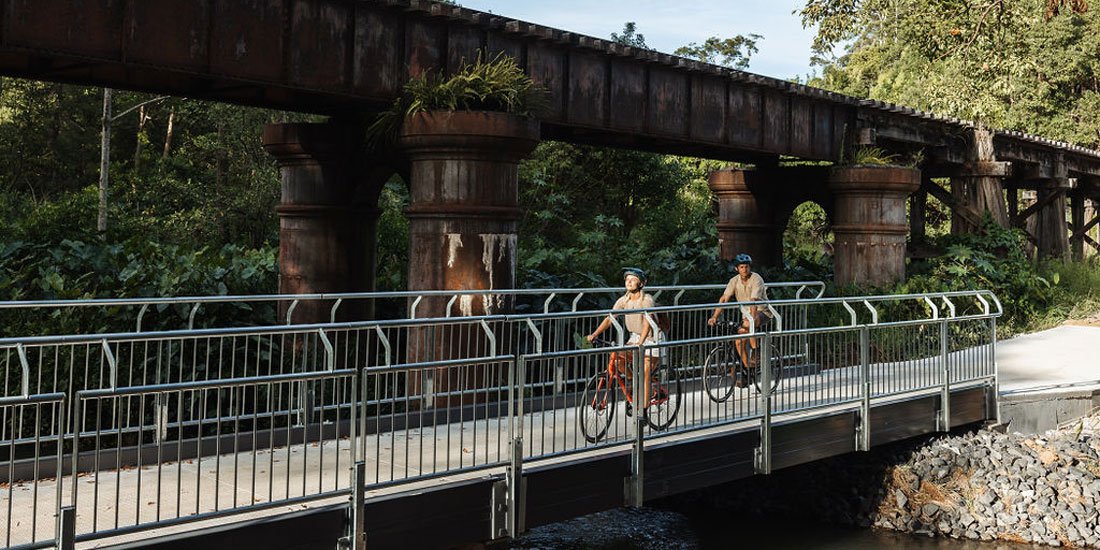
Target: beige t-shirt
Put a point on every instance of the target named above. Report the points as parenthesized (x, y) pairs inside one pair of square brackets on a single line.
[(748, 291), (635, 321)]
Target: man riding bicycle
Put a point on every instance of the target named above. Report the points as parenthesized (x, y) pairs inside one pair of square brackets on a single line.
[(634, 279), (746, 286)]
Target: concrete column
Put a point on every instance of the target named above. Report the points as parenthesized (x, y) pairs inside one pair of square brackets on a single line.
[(869, 222), (327, 216), (746, 217)]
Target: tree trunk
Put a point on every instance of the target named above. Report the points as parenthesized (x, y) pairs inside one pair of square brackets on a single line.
[(168, 134), (142, 119), (988, 191), (104, 160)]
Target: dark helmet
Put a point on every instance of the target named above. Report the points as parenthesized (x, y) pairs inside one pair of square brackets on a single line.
[(742, 259), (635, 271)]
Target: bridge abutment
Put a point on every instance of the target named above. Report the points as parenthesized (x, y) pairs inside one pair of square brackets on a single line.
[(746, 217), (327, 215), (869, 222)]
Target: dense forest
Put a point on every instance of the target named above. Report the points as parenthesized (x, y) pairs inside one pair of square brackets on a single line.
[(190, 207)]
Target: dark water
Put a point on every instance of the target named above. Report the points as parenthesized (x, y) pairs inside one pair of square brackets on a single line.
[(653, 529)]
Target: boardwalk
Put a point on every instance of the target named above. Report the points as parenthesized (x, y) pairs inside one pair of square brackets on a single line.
[(118, 499)]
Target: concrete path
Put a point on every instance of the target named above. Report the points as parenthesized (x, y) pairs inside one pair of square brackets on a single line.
[(1049, 378), (1061, 357)]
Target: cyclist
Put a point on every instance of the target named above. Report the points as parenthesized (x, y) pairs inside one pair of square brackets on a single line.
[(634, 279), (746, 286)]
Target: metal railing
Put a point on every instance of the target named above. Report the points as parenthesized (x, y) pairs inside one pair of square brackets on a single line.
[(265, 309), (179, 426)]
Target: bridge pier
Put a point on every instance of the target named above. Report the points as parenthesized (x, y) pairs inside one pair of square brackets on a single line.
[(327, 215), (1051, 229), (869, 222), (746, 217), (464, 203)]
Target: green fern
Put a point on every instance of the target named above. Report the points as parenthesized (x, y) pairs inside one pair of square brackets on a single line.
[(495, 85)]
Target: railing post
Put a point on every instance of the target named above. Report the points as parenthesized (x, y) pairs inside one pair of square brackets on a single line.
[(508, 494), (635, 483), (66, 527), (863, 435), (356, 539), (763, 458), (995, 405), (944, 418)]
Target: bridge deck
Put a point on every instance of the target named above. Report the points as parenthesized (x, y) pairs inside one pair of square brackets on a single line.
[(111, 499)]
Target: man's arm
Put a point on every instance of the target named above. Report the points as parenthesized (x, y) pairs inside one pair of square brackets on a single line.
[(718, 311)]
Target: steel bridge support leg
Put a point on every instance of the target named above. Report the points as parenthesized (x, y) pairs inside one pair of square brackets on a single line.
[(633, 487), (356, 539), (944, 417), (763, 458), (66, 527), (863, 434)]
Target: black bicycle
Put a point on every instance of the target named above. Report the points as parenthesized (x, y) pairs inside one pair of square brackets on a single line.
[(598, 401), (724, 370)]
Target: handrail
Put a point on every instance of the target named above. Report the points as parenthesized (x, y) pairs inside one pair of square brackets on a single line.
[(306, 328)]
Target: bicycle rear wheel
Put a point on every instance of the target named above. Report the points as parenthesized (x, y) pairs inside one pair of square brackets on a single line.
[(597, 407), (718, 373), (665, 403)]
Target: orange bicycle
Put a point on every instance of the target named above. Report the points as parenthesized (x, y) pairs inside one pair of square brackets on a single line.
[(600, 396)]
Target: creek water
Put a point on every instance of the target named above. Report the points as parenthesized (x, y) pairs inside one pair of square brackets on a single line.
[(695, 528)]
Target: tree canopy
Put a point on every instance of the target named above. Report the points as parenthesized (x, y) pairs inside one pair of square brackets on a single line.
[(1030, 65)]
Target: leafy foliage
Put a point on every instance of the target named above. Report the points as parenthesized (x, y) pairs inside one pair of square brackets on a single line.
[(495, 85), (137, 267), (992, 258), (734, 52), (1000, 62)]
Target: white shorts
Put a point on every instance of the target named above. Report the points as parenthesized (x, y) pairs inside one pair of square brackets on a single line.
[(649, 352)]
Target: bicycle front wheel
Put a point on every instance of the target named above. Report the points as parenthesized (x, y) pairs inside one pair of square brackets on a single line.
[(718, 373), (665, 403), (597, 407)]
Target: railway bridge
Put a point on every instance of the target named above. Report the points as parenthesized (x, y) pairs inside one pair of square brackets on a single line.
[(348, 59)]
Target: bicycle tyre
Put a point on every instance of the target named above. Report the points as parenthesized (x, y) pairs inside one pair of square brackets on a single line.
[(597, 407), (661, 416), (719, 371), (775, 363)]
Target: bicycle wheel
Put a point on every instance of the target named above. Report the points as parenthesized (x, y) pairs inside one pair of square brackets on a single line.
[(597, 407), (718, 373), (775, 365), (665, 402)]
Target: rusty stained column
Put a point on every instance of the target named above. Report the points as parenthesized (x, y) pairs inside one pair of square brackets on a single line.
[(463, 213), (327, 217), (869, 223), (746, 217)]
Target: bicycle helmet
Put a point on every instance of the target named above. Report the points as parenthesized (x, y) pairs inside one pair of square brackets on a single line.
[(742, 259), (635, 271)]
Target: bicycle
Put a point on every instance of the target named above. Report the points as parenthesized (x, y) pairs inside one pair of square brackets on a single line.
[(599, 398), (723, 367)]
